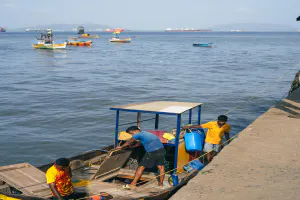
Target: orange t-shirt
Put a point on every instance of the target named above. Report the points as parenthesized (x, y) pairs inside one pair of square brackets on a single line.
[(215, 133), (62, 180)]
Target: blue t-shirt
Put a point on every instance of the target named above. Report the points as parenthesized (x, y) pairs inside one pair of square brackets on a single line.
[(150, 141)]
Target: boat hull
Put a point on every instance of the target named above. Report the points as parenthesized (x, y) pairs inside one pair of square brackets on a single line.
[(203, 45), (91, 155), (91, 36), (126, 40), (80, 43), (49, 46)]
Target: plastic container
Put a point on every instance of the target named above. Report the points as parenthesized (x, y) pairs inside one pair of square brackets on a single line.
[(194, 165), (173, 180), (168, 136), (194, 141)]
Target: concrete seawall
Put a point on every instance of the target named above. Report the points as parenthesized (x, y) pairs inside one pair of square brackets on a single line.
[(262, 163)]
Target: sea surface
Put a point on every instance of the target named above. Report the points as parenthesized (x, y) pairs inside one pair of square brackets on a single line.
[(56, 103)]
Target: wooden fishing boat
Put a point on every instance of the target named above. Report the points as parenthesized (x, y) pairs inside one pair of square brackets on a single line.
[(108, 169), (43, 44), (203, 45), (86, 35), (119, 40), (79, 43)]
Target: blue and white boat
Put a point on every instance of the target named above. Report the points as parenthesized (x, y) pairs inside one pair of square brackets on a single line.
[(203, 45)]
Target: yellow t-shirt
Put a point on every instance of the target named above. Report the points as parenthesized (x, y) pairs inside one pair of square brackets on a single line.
[(62, 180), (215, 133)]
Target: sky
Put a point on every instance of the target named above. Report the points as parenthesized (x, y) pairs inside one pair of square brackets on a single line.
[(148, 14)]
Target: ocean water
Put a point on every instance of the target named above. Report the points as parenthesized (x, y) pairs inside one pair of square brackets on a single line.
[(56, 103)]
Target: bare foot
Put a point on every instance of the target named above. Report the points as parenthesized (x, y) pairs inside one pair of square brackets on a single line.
[(132, 186)]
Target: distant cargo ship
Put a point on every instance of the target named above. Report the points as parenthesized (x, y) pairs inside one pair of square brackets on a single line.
[(2, 29), (187, 30)]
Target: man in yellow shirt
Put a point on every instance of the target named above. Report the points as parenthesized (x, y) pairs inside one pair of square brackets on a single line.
[(59, 179), (214, 135)]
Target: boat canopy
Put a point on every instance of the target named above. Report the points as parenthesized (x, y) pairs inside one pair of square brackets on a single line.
[(158, 107)]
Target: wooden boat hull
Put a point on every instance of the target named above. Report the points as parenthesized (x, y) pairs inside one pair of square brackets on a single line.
[(93, 157), (203, 45), (80, 43), (49, 46)]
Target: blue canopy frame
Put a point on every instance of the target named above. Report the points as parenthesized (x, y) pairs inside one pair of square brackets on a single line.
[(118, 109)]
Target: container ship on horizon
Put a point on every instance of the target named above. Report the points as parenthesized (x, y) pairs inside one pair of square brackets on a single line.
[(2, 29), (187, 30)]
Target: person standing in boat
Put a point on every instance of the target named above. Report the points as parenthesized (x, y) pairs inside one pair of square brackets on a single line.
[(215, 133), (59, 179), (155, 154)]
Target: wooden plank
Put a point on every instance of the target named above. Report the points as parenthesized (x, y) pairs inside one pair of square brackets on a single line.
[(26, 178), (114, 161)]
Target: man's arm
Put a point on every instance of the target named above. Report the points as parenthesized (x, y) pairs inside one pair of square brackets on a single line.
[(55, 192), (227, 138), (127, 143), (195, 126)]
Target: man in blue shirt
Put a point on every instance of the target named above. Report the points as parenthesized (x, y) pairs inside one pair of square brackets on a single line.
[(155, 154)]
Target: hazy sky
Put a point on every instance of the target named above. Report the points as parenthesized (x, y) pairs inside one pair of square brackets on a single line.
[(148, 14)]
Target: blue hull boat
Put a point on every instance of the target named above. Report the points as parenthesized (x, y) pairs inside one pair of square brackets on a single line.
[(203, 45)]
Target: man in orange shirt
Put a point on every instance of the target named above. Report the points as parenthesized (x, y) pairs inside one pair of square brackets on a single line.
[(59, 180), (214, 135)]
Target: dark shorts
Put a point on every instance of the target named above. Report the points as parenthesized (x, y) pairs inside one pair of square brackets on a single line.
[(153, 158)]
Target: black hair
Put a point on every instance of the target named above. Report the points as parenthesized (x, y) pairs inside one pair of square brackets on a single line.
[(223, 118), (62, 162), (132, 128)]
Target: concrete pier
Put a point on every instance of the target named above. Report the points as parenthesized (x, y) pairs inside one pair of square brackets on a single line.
[(263, 162)]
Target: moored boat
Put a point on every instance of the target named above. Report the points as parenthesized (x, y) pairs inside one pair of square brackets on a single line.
[(86, 35), (79, 43), (107, 169), (203, 44), (42, 44), (2, 30), (119, 40)]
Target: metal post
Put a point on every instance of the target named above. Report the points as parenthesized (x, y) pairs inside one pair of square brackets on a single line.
[(138, 121), (199, 114), (190, 116), (156, 121), (177, 141), (117, 128)]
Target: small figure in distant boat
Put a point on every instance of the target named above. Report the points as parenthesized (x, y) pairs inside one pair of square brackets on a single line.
[(155, 154), (215, 133), (59, 179), (49, 33)]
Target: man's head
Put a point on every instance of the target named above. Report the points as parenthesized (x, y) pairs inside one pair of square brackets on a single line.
[(133, 130), (62, 163), (222, 119)]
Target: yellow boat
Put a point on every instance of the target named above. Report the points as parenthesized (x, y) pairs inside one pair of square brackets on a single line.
[(124, 40), (43, 45), (86, 35)]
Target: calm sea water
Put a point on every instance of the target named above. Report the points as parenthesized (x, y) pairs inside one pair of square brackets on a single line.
[(56, 103)]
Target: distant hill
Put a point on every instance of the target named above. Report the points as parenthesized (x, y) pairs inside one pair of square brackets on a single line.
[(65, 27), (253, 27)]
